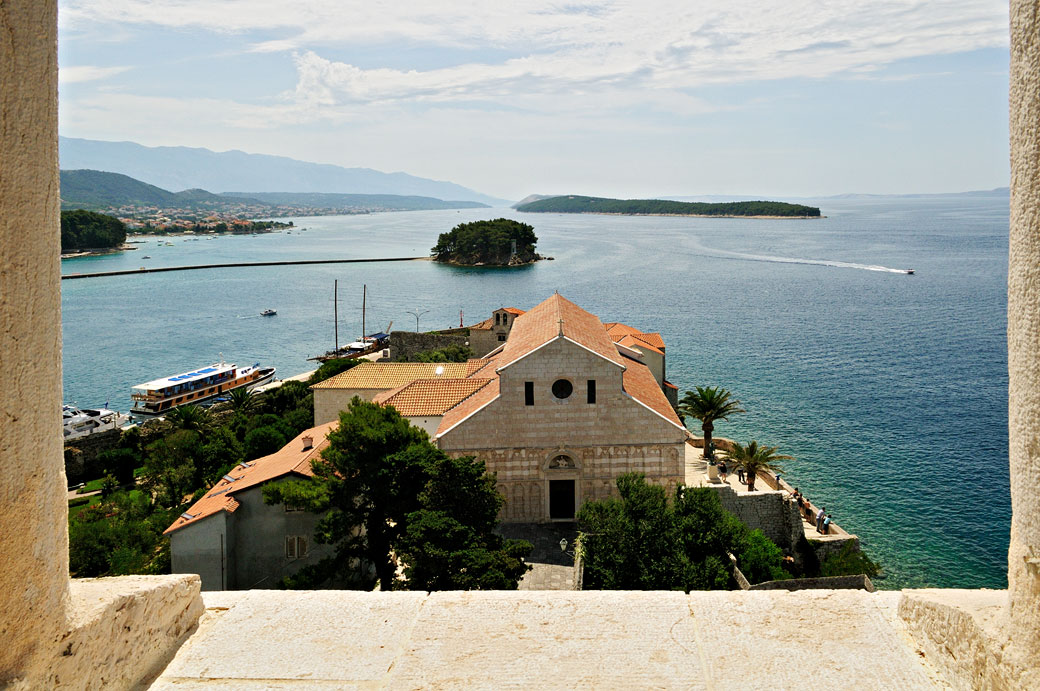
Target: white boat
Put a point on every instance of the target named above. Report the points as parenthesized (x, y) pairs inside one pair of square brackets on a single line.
[(268, 313), (160, 396), (78, 422)]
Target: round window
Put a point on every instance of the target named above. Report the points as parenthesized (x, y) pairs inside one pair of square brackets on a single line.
[(562, 388)]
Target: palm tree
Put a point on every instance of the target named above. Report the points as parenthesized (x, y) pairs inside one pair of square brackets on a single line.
[(242, 400), (190, 417), (755, 458), (708, 404)]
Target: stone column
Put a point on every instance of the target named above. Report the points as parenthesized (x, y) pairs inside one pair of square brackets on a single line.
[(1024, 334), (34, 571)]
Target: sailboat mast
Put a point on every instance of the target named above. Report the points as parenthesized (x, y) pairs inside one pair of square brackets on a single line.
[(335, 311), (364, 295)]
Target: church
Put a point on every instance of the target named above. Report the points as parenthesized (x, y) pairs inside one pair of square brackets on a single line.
[(561, 408)]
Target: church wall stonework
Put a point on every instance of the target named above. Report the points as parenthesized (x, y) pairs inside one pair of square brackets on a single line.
[(613, 436)]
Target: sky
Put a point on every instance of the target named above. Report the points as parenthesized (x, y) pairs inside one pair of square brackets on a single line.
[(631, 98)]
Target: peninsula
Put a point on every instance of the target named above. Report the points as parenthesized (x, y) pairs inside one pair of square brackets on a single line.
[(574, 204), (501, 242)]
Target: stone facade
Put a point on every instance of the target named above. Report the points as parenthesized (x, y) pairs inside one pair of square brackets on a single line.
[(598, 442), (769, 511), (405, 344)]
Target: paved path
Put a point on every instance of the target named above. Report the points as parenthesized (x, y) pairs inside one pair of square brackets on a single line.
[(551, 567)]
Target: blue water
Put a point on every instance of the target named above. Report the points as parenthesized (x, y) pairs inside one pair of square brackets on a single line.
[(890, 390)]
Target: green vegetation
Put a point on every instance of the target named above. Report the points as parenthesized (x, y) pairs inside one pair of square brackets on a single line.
[(82, 230), (331, 368), (120, 531), (754, 458), (708, 404), (452, 353), (849, 561), (573, 204), (410, 499), (487, 243), (642, 541)]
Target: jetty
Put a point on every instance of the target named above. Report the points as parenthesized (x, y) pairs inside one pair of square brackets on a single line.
[(232, 265)]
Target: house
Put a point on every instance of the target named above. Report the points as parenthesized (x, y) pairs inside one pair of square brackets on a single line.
[(235, 541)]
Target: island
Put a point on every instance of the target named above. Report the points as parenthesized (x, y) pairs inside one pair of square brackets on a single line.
[(501, 242), (574, 204)]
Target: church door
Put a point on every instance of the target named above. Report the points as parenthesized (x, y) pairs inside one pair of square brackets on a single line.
[(561, 499)]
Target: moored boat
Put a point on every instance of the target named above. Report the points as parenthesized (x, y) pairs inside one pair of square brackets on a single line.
[(77, 422), (163, 395)]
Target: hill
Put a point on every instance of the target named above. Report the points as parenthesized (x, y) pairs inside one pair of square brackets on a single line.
[(327, 200), (574, 204), (180, 167), (96, 189)]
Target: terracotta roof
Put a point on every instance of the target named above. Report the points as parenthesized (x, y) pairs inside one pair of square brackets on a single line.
[(469, 406), (473, 367), (640, 384), (511, 310), (542, 324), (427, 397), (484, 325), (291, 458), (390, 375), (617, 331), (633, 341)]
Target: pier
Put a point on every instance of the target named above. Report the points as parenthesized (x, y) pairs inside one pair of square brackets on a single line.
[(230, 265)]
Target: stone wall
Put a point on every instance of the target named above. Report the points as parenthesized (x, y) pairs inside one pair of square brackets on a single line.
[(768, 511), (858, 582), (81, 455), (405, 344)]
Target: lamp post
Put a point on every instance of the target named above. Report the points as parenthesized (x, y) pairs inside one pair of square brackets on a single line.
[(417, 313)]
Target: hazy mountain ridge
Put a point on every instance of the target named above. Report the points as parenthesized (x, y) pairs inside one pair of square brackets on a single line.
[(334, 200), (95, 189), (179, 167)]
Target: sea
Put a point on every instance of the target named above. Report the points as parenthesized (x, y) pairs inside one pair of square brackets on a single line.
[(888, 389)]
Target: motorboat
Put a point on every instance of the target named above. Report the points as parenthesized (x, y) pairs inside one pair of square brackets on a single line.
[(910, 271), (81, 422), (268, 313)]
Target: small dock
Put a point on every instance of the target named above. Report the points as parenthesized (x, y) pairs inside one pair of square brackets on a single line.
[(234, 265)]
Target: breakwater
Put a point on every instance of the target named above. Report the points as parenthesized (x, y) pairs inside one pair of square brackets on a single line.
[(230, 265)]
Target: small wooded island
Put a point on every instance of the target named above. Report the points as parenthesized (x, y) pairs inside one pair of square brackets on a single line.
[(501, 242), (89, 230), (574, 204)]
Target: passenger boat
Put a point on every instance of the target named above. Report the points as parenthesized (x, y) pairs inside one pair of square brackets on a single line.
[(163, 395), (78, 422)]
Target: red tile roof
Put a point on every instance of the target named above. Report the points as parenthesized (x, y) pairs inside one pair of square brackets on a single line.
[(640, 384), (512, 310), (430, 397), (390, 375), (617, 331), (541, 324), (633, 341), (484, 325), (469, 406), (291, 458)]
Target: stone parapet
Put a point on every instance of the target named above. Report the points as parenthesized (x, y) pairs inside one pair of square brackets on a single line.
[(549, 640)]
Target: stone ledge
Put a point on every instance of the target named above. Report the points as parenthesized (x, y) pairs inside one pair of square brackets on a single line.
[(123, 631), (963, 633), (721, 640)]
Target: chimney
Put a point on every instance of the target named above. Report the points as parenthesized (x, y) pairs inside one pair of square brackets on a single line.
[(308, 442)]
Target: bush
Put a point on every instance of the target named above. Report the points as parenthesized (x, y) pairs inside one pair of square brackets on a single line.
[(849, 561), (331, 368)]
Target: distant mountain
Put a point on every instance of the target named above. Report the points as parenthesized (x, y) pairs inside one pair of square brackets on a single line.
[(95, 189), (534, 198), (179, 167), (326, 200), (995, 192)]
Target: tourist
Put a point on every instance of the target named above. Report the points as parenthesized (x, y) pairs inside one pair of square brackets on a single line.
[(740, 474), (722, 470), (819, 519), (777, 477), (826, 524)]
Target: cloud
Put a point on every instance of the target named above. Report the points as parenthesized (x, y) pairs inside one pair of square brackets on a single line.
[(86, 73)]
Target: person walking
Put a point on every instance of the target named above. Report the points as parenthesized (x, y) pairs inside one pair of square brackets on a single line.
[(819, 519), (722, 470), (740, 474)]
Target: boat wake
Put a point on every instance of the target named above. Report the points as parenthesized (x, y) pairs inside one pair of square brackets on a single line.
[(773, 259)]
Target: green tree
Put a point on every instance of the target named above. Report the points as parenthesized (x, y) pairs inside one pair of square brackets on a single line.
[(641, 541), (242, 400), (377, 474), (450, 543), (708, 404), (169, 468), (189, 417), (263, 441), (754, 458), (452, 353), (82, 229), (486, 242), (331, 368)]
